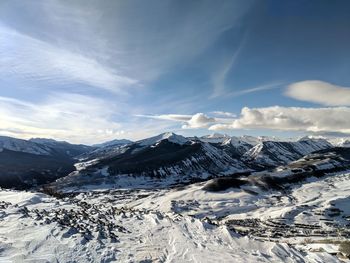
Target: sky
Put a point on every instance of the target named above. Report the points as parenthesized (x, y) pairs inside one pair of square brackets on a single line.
[(88, 71)]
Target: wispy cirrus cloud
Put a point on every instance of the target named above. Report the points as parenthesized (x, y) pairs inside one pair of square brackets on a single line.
[(131, 40), (168, 117), (219, 77), (319, 92), (30, 59), (269, 86), (90, 47), (61, 116)]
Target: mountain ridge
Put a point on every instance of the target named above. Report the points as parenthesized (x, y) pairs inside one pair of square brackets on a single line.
[(158, 157)]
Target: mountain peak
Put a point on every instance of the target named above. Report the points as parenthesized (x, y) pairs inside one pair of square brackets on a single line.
[(215, 138), (170, 136), (19, 145), (217, 135), (116, 142)]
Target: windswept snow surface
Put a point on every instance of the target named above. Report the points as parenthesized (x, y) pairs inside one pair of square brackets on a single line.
[(185, 224)]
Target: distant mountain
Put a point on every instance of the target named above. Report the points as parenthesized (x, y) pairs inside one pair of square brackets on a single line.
[(224, 139), (316, 164), (340, 142), (215, 138), (26, 163), (18, 145), (274, 153), (105, 149), (169, 136), (62, 147), (345, 143), (171, 154), (168, 157), (171, 158), (112, 143)]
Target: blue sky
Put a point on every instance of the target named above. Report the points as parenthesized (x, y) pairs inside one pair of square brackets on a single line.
[(89, 71)]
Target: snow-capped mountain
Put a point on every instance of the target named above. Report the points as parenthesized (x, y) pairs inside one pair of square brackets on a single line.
[(224, 139), (169, 158), (26, 163), (113, 143), (168, 136), (105, 149), (340, 142), (19, 145), (345, 143), (273, 153), (215, 138), (62, 147)]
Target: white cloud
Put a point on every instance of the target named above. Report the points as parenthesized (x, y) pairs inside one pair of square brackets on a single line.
[(196, 121), (168, 117), (224, 114), (320, 92), (291, 119), (60, 116), (133, 38), (269, 86), (75, 118), (22, 56), (199, 120), (219, 77)]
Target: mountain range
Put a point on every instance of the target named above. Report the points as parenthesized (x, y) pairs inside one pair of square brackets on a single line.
[(165, 159)]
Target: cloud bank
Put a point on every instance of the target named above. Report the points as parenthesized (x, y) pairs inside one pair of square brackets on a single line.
[(196, 121), (319, 92), (60, 116), (335, 119), (199, 120)]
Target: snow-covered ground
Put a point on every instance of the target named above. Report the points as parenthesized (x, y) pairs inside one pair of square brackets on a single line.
[(184, 224)]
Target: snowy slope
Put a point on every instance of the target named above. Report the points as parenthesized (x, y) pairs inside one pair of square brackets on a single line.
[(18, 145), (226, 139), (104, 227), (169, 159), (274, 153), (24, 164), (215, 138), (165, 162), (169, 136), (113, 143), (340, 142), (62, 147)]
